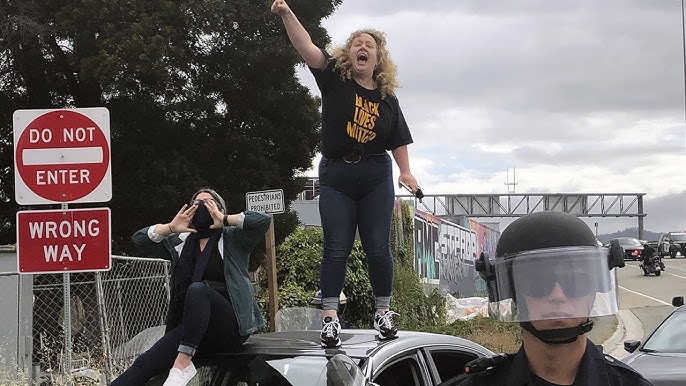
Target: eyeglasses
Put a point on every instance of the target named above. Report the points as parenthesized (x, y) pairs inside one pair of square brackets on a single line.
[(573, 284)]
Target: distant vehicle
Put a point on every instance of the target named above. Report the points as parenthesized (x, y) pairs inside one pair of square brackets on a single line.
[(671, 243), (296, 358), (661, 359), (652, 243), (631, 246)]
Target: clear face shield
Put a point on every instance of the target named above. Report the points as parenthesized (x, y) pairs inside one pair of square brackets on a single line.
[(553, 283)]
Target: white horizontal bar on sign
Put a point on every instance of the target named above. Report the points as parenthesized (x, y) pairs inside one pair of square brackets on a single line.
[(63, 155)]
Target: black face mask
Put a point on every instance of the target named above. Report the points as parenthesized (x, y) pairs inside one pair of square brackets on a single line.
[(202, 218)]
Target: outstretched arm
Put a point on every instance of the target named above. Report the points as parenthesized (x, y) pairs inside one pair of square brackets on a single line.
[(300, 39)]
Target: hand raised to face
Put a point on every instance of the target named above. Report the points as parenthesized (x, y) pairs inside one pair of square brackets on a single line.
[(180, 222), (216, 213)]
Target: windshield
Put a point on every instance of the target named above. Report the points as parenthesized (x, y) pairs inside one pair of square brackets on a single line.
[(628, 241), (670, 336), (680, 237), (244, 370)]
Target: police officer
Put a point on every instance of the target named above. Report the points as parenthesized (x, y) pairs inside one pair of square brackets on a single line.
[(551, 277)]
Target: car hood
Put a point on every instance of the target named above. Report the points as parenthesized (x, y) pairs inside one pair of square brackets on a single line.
[(660, 368)]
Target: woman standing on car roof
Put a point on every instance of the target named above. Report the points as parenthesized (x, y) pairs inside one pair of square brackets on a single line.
[(361, 121)]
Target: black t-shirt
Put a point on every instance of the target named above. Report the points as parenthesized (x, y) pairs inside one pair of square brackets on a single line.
[(355, 117)]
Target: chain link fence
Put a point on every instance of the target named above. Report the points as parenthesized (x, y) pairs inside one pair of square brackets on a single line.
[(114, 316)]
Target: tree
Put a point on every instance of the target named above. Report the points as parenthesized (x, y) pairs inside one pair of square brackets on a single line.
[(200, 93)]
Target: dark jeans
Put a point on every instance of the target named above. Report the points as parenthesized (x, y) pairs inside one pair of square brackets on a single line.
[(356, 196), (209, 324)]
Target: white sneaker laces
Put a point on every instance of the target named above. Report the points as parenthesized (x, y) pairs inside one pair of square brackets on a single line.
[(386, 319), (329, 327)]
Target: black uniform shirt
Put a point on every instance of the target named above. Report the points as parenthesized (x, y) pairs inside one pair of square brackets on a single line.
[(595, 369)]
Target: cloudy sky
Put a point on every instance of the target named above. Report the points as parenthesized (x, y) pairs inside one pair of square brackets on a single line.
[(579, 96)]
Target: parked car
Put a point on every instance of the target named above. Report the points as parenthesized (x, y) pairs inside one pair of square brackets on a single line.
[(631, 246), (672, 242), (296, 358), (661, 358)]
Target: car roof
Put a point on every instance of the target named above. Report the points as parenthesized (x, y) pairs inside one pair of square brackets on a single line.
[(355, 343)]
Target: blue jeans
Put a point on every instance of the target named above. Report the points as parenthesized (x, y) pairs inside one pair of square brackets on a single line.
[(356, 196), (209, 324)]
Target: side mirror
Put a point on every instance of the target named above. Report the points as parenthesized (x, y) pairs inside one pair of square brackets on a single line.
[(678, 301), (341, 370), (483, 266), (631, 345)]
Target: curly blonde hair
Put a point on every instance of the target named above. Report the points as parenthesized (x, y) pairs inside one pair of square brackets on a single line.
[(385, 73)]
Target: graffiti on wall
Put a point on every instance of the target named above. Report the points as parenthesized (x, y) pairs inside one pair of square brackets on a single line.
[(445, 253), (426, 246)]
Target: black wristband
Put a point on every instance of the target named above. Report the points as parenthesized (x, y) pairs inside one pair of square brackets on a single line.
[(226, 220)]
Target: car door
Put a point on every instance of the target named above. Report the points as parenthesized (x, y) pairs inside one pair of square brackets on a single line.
[(448, 362), (406, 369), (664, 244)]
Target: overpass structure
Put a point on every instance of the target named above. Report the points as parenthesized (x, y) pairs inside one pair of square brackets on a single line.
[(453, 206)]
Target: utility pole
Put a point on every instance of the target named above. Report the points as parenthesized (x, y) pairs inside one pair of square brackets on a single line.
[(511, 185)]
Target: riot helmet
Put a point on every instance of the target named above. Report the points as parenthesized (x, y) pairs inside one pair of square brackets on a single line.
[(548, 268)]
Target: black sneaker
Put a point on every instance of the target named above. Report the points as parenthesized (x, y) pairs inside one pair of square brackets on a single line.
[(385, 325), (330, 329)]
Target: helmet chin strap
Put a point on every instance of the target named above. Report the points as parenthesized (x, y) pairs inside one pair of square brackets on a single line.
[(559, 335)]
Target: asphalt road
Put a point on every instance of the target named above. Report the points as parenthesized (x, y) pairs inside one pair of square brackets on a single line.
[(650, 297)]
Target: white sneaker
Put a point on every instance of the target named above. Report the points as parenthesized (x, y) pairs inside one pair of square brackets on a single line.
[(178, 377), (330, 330)]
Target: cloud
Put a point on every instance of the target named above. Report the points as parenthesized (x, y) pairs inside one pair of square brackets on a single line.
[(583, 96)]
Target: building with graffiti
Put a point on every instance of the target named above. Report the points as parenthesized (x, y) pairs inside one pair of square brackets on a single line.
[(445, 253)]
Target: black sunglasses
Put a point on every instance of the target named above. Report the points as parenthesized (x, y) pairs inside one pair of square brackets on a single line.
[(574, 285)]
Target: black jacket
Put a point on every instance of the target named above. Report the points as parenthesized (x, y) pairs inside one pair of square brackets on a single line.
[(595, 369)]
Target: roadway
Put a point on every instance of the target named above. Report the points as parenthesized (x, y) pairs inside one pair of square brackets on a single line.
[(649, 298)]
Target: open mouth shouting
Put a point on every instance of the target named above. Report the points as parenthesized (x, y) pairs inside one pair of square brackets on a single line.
[(362, 57)]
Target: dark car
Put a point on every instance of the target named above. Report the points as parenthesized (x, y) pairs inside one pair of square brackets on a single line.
[(662, 357), (631, 246), (671, 243), (296, 358)]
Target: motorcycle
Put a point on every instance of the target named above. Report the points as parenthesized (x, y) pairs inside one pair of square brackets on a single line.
[(652, 265)]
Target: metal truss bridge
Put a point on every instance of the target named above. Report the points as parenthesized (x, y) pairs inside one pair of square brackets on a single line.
[(453, 206)]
